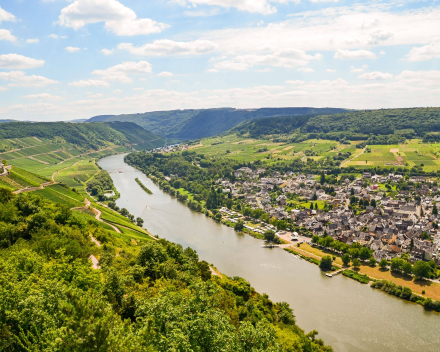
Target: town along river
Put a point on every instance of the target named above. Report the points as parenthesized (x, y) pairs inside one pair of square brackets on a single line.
[(349, 316)]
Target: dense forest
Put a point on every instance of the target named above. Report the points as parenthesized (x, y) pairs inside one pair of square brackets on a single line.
[(395, 124), (193, 124), (154, 296), (90, 135)]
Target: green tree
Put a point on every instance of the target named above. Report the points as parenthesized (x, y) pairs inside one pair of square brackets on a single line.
[(364, 253), (322, 178), (372, 262), (383, 263), (326, 263), (139, 222), (434, 209), (356, 263), (346, 259), (396, 264), (407, 267), (269, 236), (239, 225), (421, 269)]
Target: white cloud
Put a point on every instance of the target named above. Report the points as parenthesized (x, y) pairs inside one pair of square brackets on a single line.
[(212, 70), (45, 96), (120, 72), (19, 79), (265, 70), (99, 95), (331, 70), (72, 49), (165, 74), (382, 52), (358, 70), (306, 69), (379, 36), (56, 36), (254, 6), (165, 47), (107, 51), (117, 91), (3, 89), (376, 76), (6, 16), (424, 53), (19, 62), (354, 55), (296, 82), (7, 35), (420, 78), (138, 88), (33, 41), (119, 19), (287, 58), (90, 83)]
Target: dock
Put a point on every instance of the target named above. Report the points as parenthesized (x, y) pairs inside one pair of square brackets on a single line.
[(334, 273)]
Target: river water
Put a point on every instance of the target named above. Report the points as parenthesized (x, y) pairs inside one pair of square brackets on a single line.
[(349, 316)]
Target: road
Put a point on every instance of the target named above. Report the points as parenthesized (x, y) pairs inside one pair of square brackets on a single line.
[(363, 151)]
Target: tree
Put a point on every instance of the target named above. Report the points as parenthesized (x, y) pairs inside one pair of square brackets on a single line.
[(316, 206), (139, 222), (406, 267), (356, 263), (326, 263), (373, 203), (364, 253), (346, 259), (315, 197), (239, 225), (322, 178), (434, 210), (422, 269), (247, 211), (383, 263), (269, 236), (311, 206), (396, 264), (422, 214), (411, 245), (218, 217), (372, 262), (315, 239)]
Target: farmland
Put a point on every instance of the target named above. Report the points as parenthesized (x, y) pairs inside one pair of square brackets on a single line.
[(412, 153), (76, 175), (248, 149)]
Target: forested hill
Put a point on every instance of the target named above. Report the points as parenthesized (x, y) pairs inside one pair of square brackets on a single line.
[(408, 122), (193, 124), (89, 135), (145, 295)]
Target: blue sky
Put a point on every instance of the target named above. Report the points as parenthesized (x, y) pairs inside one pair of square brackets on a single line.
[(63, 60)]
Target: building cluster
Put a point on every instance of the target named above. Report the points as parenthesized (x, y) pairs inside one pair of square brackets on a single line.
[(389, 226)]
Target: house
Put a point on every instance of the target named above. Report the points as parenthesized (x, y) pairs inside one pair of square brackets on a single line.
[(366, 175), (282, 200)]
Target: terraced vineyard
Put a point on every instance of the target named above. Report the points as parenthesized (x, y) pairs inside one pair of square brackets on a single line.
[(76, 175), (412, 153), (62, 195)]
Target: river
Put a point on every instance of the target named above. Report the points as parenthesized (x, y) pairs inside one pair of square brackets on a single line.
[(349, 316)]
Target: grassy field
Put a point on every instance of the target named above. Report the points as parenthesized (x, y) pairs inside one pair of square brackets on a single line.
[(412, 153), (62, 195), (76, 175), (245, 149), (417, 286)]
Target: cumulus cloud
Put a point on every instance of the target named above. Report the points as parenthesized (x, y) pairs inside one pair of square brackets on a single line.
[(379, 35), (424, 53), (45, 96), (18, 62), (32, 41), (287, 58), (420, 78), (306, 69), (120, 72), (7, 35), (117, 18), (165, 47), (254, 6), (107, 51), (72, 49), (89, 83), (117, 91), (6, 16), (358, 70), (376, 76), (354, 55), (20, 79), (165, 74), (56, 36)]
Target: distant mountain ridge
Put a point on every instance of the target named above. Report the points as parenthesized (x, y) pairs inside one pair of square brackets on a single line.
[(201, 123)]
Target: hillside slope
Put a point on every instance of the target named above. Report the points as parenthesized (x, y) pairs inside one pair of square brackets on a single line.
[(408, 122), (193, 124)]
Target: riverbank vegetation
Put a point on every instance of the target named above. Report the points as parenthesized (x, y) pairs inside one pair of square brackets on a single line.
[(363, 279), (146, 295), (143, 186)]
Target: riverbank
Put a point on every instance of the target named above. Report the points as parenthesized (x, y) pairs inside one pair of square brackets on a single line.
[(283, 276)]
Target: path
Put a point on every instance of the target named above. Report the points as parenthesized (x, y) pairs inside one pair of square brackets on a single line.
[(95, 262), (345, 162)]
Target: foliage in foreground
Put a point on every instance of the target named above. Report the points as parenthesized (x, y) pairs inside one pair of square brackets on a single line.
[(159, 297)]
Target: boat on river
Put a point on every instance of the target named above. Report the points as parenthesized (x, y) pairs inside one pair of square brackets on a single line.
[(120, 171), (270, 245)]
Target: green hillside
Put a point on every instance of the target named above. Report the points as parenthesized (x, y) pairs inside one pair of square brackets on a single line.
[(355, 125), (194, 124)]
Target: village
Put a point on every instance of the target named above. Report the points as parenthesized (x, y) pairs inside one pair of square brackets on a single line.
[(389, 214)]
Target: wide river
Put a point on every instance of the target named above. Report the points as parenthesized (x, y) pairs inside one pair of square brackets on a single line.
[(348, 315)]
